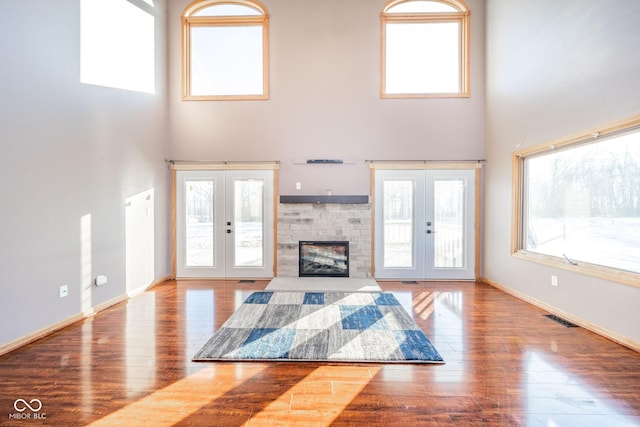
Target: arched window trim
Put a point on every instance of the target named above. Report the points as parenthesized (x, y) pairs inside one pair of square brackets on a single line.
[(198, 5), (456, 4), (189, 21), (463, 17)]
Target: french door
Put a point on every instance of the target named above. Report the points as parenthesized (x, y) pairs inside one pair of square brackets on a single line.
[(224, 223), (424, 224)]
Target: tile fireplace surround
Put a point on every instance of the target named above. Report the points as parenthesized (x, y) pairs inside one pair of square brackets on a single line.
[(324, 222)]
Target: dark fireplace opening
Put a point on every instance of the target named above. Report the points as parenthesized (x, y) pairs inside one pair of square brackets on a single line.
[(323, 259)]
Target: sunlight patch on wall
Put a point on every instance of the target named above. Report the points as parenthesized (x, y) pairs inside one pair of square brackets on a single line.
[(86, 273), (117, 46), (139, 241)]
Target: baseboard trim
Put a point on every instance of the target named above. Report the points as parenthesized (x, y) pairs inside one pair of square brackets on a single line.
[(34, 336), (15, 344), (422, 280), (606, 333)]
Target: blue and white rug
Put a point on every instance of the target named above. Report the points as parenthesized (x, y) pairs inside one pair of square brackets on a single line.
[(320, 326)]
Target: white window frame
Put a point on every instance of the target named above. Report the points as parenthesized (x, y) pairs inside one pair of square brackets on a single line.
[(519, 209), (462, 17)]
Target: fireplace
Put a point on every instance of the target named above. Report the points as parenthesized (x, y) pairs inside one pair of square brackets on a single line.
[(323, 259)]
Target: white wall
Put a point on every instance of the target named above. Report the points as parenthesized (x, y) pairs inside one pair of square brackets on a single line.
[(70, 151), (325, 103), (555, 68), (72, 154)]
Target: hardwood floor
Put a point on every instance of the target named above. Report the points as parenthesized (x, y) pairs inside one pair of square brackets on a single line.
[(506, 364)]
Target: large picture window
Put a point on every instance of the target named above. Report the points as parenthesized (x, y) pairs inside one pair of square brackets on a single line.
[(578, 202), (225, 50), (425, 49)]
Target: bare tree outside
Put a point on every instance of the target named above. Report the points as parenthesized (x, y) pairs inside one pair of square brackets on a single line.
[(583, 202)]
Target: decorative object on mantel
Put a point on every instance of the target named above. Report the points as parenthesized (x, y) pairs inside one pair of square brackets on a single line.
[(327, 161), (324, 199)]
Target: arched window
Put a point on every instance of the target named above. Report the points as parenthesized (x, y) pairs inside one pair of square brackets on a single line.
[(225, 50), (425, 49)]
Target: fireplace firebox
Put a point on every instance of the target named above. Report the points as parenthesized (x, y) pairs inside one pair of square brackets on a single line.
[(323, 259)]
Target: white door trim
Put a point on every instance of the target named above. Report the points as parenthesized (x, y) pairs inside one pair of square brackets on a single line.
[(223, 266), (471, 175)]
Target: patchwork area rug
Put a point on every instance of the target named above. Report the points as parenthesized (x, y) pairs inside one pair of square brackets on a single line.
[(320, 326)]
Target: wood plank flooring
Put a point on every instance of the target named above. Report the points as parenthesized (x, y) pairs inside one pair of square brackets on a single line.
[(506, 365)]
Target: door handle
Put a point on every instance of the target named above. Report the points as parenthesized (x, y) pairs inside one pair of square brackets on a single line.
[(229, 231)]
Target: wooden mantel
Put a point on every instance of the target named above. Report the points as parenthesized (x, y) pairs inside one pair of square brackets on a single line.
[(325, 199)]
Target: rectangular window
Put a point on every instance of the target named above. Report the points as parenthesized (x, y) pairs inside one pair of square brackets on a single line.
[(220, 67), (578, 202), (422, 58)]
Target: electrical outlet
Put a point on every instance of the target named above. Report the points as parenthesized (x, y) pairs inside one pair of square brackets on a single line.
[(101, 280), (298, 186), (554, 280), (63, 291)]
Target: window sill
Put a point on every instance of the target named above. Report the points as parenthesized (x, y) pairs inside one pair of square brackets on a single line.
[(423, 95), (601, 272), (225, 97)]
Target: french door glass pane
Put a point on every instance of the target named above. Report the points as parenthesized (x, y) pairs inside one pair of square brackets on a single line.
[(398, 223), (449, 248), (249, 220), (199, 223)]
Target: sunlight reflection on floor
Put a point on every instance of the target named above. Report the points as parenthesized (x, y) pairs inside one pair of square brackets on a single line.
[(320, 397), (186, 396)]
